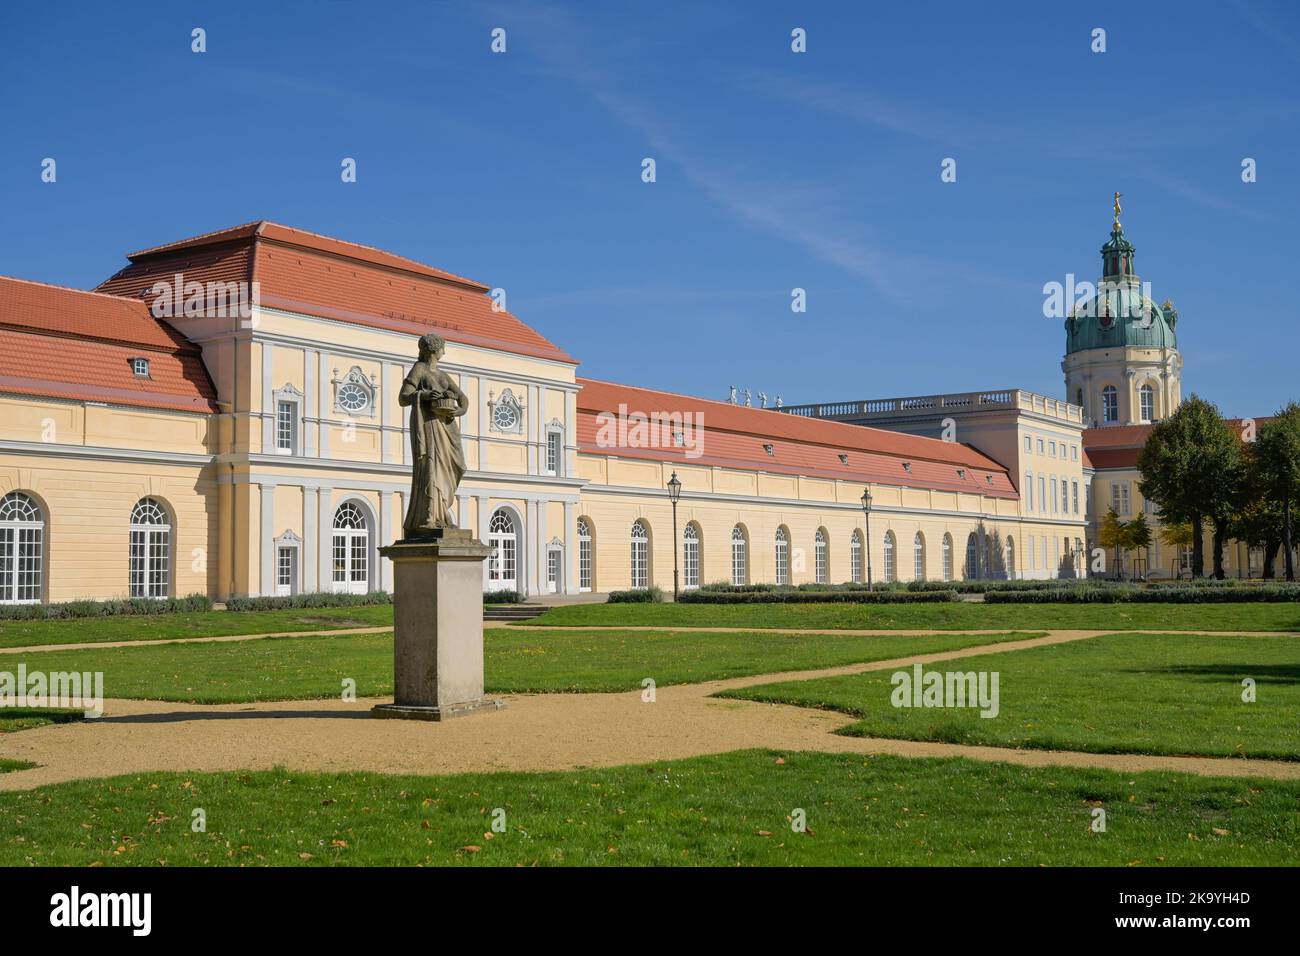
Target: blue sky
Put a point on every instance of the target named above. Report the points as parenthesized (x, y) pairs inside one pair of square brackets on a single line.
[(775, 170)]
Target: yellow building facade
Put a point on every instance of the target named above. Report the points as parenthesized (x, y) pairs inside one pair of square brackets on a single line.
[(221, 417)]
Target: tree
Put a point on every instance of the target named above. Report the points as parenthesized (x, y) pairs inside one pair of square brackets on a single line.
[(1191, 467), (1176, 535), (1259, 520), (1277, 453), (1111, 535), (1136, 534)]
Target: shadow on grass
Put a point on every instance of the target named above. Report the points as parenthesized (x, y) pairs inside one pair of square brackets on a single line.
[(1273, 673)]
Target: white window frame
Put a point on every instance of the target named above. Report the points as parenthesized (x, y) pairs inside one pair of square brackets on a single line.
[(149, 554), (585, 567), (691, 555), (782, 545), (821, 562), (639, 541), (22, 549), (739, 556)]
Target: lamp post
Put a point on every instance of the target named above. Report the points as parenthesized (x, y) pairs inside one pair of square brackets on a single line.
[(674, 492), (866, 512)]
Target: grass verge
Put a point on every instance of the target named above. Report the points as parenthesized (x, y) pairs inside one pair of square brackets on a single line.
[(1121, 693), (725, 810)]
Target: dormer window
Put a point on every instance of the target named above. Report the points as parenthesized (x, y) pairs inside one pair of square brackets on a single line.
[(140, 367), (844, 459), (770, 449), (988, 479), (961, 473), (907, 467)]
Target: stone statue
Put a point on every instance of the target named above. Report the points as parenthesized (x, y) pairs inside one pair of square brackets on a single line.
[(732, 396), (748, 403), (436, 402), (762, 399)]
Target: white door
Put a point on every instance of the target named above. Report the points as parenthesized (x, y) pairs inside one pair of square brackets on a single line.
[(553, 570), (503, 562), (351, 550)]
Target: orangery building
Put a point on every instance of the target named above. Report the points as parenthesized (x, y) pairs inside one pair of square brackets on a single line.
[(221, 417)]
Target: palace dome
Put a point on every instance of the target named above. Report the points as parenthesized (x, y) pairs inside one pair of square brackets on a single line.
[(1119, 314)]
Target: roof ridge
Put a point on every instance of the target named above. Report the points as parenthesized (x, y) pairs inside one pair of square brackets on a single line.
[(259, 223), (362, 245), (998, 466)]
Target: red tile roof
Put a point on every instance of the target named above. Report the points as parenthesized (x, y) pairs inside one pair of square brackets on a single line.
[(1118, 446), (66, 343), (304, 272), (733, 436)]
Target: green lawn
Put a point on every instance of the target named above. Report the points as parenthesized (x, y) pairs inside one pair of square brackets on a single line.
[(1132, 693), (952, 616), (25, 718), (726, 810), (289, 668), (152, 627)]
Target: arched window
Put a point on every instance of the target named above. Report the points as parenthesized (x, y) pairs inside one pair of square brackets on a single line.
[(739, 556), (1109, 404), (149, 571), (1147, 402), (972, 570), (691, 555), (918, 557), (640, 555), (350, 549), (503, 562), (584, 554), (820, 560), (855, 557), (891, 573), (22, 549), (947, 557), (782, 556), (1011, 558)]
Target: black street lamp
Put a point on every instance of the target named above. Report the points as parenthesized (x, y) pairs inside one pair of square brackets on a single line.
[(866, 511), (674, 492)]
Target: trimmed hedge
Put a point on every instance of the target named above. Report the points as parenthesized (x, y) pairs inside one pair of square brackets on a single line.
[(313, 599), (988, 586), (651, 595), (118, 607), (503, 596), (1127, 594), (795, 596)]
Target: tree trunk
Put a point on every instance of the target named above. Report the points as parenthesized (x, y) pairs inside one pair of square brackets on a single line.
[(1286, 533), (1198, 547), (1270, 557), (1217, 544)]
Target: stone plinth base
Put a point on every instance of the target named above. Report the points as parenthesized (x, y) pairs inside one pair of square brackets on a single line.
[(405, 712), (437, 627)]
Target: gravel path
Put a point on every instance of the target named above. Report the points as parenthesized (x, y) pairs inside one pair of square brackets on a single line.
[(534, 733)]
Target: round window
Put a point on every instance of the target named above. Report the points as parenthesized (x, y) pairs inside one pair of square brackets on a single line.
[(505, 417), (352, 397)]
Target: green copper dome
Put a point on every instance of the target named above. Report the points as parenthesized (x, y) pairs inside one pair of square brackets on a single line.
[(1119, 314)]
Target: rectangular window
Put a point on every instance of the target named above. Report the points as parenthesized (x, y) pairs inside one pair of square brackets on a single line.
[(1029, 445), (1053, 496), (286, 571), (1074, 495), (1051, 449), (1029, 492), (1033, 553), (1042, 493), (1040, 446), (553, 449), (286, 427), (1074, 452), (553, 570)]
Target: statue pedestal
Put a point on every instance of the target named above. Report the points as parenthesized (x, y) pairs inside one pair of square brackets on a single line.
[(438, 627)]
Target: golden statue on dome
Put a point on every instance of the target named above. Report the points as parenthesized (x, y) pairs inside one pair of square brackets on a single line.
[(1117, 212)]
